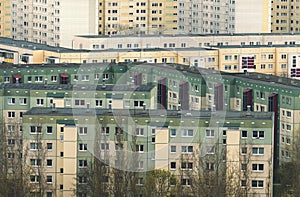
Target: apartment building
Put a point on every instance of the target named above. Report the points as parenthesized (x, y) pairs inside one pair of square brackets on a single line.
[(137, 17), (167, 143), (285, 16), (52, 22), (5, 18), (219, 17), (140, 87)]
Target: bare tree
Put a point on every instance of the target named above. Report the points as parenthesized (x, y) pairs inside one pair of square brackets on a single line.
[(289, 171), (158, 183), (13, 168)]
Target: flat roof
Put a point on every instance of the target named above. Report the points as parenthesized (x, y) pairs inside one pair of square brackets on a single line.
[(189, 35), (33, 46), (283, 82), (117, 87), (42, 111)]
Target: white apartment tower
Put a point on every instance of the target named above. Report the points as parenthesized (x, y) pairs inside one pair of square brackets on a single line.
[(224, 16), (53, 22)]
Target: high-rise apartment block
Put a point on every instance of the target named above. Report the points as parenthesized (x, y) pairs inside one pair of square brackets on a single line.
[(55, 23), (52, 22), (285, 16), (137, 17)]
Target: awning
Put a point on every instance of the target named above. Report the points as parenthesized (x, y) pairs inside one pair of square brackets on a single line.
[(64, 75), (17, 76)]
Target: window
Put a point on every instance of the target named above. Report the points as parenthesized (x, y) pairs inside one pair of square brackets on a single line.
[(186, 182), (243, 183), (11, 155), (34, 178), (210, 166), (141, 165), (173, 132), (40, 101), (210, 133), (173, 165), (257, 184), (11, 101), (244, 167), (270, 56), (38, 78), (23, 101), (82, 163), (49, 194), (105, 130), (85, 77), (258, 134), (187, 133), (49, 130), (49, 146), (53, 78), (35, 146), (227, 57), (153, 131), (82, 147), (35, 130), (186, 165), (79, 102), (288, 114), (139, 131), (186, 149), (244, 134), (173, 149), (11, 128), (258, 151), (140, 148), (82, 180), (49, 179), (210, 149), (99, 103), (11, 114), (35, 162), (258, 167), (244, 150), (140, 181), (49, 162), (104, 146), (6, 79), (138, 103), (82, 130)]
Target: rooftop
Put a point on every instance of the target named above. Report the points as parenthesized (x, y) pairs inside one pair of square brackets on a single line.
[(143, 88), (41, 111), (190, 35)]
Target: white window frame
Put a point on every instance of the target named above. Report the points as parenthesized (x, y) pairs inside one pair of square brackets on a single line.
[(11, 101), (254, 152), (256, 167), (82, 147), (187, 133), (187, 149), (258, 134), (139, 132), (82, 130)]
